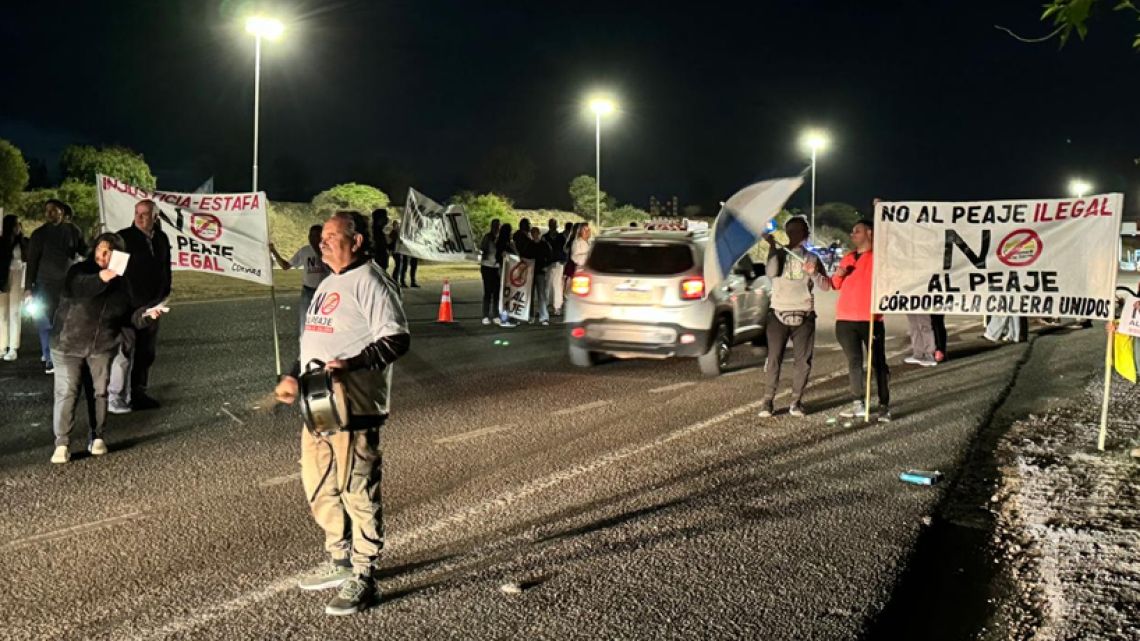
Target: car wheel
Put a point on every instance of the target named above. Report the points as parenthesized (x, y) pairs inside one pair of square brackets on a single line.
[(713, 361), (580, 357)]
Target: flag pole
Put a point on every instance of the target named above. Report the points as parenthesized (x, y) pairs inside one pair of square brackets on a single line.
[(1107, 386)]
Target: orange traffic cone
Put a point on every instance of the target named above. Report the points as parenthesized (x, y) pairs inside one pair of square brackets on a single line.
[(445, 304)]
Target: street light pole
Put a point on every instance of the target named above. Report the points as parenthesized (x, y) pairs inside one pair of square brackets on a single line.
[(598, 168), (269, 28), (256, 102), (813, 150)]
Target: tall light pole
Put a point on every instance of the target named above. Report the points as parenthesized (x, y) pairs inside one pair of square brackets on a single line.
[(600, 107), (261, 27), (815, 141), (1079, 188)]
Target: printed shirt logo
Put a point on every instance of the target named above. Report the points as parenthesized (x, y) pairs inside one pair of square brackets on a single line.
[(319, 317)]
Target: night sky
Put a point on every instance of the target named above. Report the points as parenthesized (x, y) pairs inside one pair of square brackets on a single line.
[(923, 99)]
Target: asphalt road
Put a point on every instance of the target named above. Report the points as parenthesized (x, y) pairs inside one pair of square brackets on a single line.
[(632, 500)]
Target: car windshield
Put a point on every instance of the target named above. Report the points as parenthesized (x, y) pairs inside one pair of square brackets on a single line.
[(640, 258)]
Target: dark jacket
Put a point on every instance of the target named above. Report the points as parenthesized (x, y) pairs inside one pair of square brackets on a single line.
[(148, 270), (557, 243), (6, 250), (540, 251), (92, 314), (50, 252)]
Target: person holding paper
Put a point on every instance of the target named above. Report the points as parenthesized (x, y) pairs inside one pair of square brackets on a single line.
[(95, 306), (149, 274)]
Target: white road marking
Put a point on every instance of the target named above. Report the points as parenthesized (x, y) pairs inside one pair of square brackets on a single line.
[(473, 434), (197, 619), (670, 388), (279, 480), (581, 408), (231, 415), (73, 530)]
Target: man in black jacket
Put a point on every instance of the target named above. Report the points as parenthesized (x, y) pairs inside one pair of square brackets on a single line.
[(148, 273), (51, 250), (558, 258)]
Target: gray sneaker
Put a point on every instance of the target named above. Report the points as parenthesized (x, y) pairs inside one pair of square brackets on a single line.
[(330, 575), (797, 410), (355, 595), (884, 414), (856, 410), (765, 410), (118, 406)]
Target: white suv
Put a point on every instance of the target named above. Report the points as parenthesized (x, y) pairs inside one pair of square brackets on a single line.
[(642, 294)]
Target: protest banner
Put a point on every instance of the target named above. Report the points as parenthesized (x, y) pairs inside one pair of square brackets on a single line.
[(431, 231), (517, 281), (1010, 257), (223, 234)]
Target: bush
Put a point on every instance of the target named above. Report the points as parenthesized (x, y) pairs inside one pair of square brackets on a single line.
[(13, 174), (583, 191), (81, 196), (81, 163), (623, 216), (351, 197), (482, 208)]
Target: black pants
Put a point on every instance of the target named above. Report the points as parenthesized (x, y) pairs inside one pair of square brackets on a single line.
[(852, 337), (490, 291), (145, 344), (938, 322), (803, 348), (404, 264)]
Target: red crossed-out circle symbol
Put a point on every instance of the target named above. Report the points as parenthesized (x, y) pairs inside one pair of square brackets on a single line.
[(1020, 248), (330, 304), (518, 274), (207, 227)]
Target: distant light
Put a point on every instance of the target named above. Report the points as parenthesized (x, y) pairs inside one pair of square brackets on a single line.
[(268, 28), (1079, 188), (602, 106), (814, 140)]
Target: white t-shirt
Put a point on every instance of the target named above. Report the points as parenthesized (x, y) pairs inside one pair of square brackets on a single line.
[(309, 259), (349, 312)]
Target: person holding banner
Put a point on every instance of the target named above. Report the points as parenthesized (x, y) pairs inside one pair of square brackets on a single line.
[(96, 304), (379, 243), (357, 329), (539, 251), (796, 272), (149, 275), (308, 257), (503, 246), (13, 250), (853, 324), (52, 249), (489, 261)]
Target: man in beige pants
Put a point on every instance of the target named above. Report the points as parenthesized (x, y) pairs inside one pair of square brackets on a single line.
[(355, 325)]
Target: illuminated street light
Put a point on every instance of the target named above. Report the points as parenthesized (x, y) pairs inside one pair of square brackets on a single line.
[(815, 141), (601, 106), (1079, 188), (262, 27)]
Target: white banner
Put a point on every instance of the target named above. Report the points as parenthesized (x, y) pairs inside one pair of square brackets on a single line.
[(224, 234), (1009, 257), (1130, 316), (517, 278), (432, 232)]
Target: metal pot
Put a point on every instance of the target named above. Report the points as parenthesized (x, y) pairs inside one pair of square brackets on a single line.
[(324, 404)]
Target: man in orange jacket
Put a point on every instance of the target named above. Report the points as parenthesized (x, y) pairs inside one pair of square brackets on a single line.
[(853, 317)]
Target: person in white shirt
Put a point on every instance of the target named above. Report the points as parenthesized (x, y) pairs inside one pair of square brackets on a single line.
[(580, 248), (309, 259), (13, 250), (356, 327)]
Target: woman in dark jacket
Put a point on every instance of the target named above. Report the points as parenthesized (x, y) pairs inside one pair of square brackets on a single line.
[(13, 253), (94, 307)]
